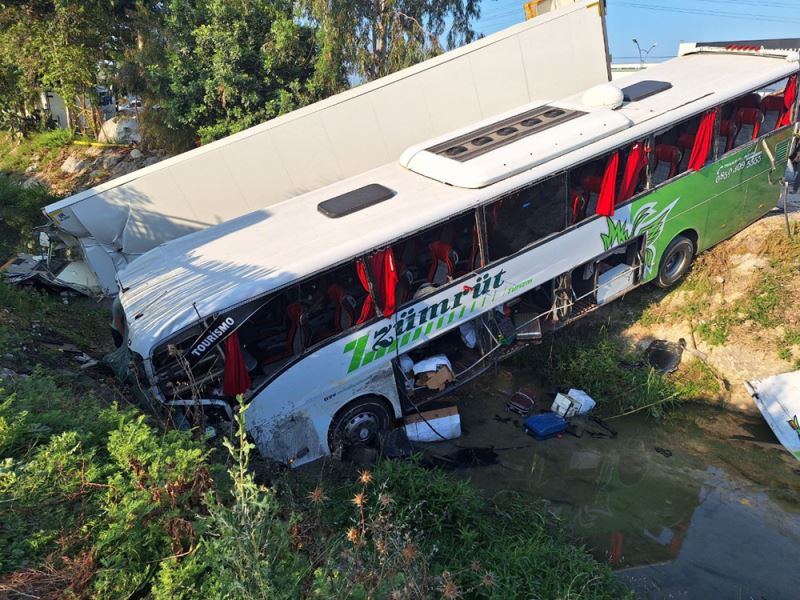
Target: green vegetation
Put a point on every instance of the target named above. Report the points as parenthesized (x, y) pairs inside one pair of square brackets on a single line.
[(17, 155), (20, 212), (615, 374), (208, 68)]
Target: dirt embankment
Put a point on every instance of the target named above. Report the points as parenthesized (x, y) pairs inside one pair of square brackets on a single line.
[(74, 168), (739, 309)]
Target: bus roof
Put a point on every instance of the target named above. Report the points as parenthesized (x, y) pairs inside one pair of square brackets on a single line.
[(171, 286)]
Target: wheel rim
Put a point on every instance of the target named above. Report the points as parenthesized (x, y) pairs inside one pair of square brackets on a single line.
[(674, 264), (361, 428)]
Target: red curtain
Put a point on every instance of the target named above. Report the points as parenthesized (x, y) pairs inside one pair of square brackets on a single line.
[(637, 159), (368, 309), (385, 272), (385, 276), (789, 96), (702, 141), (236, 379), (605, 202)]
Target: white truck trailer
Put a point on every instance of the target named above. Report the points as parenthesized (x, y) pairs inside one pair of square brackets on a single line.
[(553, 55)]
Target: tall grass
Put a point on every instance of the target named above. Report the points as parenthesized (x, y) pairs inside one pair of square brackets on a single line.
[(614, 373)]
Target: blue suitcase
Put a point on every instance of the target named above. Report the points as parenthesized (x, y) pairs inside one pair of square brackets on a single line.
[(545, 425)]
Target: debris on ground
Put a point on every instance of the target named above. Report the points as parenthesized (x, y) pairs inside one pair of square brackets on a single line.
[(665, 356), (778, 399)]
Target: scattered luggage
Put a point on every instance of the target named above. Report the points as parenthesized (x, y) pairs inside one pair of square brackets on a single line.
[(521, 403), (545, 425), (434, 372), (574, 402)]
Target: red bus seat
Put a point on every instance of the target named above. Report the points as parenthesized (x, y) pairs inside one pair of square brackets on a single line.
[(578, 203), (299, 334), (685, 144), (591, 190), (405, 281), (668, 158), (751, 100), (748, 122), (443, 264), (726, 137), (344, 308), (772, 108)]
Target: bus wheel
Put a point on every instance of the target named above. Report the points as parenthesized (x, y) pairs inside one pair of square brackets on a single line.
[(360, 423), (675, 262)]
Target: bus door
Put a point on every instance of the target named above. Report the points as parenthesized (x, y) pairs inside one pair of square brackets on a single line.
[(761, 193)]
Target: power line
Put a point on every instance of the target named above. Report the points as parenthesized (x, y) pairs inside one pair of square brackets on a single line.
[(711, 13)]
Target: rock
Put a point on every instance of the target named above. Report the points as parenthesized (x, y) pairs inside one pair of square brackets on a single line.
[(96, 174), (8, 374), (120, 130), (135, 154), (109, 160), (73, 165), (150, 160), (34, 181), (123, 168)]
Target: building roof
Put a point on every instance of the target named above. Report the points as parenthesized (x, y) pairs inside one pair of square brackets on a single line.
[(164, 290)]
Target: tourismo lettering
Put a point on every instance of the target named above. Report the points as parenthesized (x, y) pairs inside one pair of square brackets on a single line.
[(211, 337)]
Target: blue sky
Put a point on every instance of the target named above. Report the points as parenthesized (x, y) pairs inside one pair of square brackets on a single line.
[(668, 22)]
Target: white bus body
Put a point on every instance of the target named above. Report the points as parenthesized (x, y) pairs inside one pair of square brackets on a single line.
[(205, 276)]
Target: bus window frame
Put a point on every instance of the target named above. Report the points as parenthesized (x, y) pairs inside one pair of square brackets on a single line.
[(485, 205), (481, 245), (792, 121)]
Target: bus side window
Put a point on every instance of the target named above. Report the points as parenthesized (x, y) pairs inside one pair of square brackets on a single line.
[(585, 182), (332, 301), (436, 256), (526, 216), (672, 150), (756, 113)]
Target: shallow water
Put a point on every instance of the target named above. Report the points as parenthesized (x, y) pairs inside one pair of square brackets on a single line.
[(716, 514)]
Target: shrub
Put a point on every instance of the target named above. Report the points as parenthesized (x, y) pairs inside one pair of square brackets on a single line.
[(20, 212)]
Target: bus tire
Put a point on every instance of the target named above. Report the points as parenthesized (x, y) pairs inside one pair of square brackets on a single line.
[(675, 262), (360, 423)]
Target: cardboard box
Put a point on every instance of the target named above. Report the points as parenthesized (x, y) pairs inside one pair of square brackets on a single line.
[(436, 380)]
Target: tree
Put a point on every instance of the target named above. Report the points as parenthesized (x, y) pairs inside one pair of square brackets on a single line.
[(59, 46), (234, 63), (372, 38)]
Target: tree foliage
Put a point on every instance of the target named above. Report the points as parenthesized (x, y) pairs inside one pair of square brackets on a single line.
[(59, 46), (208, 68), (375, 38), (234, 63)]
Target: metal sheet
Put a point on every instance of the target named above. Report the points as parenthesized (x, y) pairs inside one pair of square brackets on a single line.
[(778, 399)]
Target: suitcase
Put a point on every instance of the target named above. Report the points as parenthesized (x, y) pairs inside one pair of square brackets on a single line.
[(545, 425), (521, 403)]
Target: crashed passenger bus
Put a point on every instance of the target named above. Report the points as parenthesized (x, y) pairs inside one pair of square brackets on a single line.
[(477, 243)]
